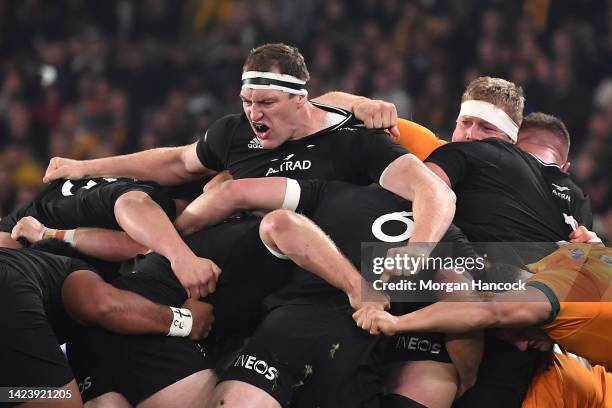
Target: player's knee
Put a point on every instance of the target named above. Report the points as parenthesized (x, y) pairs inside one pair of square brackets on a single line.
[(399, 401), (278, 222), (132, 199), (110, 399)]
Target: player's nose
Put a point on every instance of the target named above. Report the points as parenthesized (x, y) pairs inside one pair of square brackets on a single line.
[(255, 113), (470, 132), (521, 344)]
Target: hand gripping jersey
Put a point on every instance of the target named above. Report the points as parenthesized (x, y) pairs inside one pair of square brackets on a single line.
[(577, 279)]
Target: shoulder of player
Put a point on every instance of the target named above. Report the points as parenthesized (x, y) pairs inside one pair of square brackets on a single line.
[(349, 123), (224, 126), (494, 147), (29, 256)]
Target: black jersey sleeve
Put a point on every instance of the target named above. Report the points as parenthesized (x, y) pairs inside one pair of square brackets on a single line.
[(374, 151), (453, 160), (213, 148), (454, 243), (310, 195), (8, 222), (456, 159), (584, 213)]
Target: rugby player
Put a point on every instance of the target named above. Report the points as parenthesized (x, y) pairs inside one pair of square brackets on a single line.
[(142, 209), (151, 274), (279, 133), (307, 326), (39, 291), (568, 297), (503, 193)]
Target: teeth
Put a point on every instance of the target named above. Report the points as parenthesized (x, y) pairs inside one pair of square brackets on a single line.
[(259, 127)]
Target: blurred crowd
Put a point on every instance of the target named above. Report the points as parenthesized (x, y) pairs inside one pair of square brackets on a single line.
[(86, 79)]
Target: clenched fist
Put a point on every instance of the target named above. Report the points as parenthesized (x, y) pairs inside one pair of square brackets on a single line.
[(61, 168), (28, 228), (197, 275), (377, 114)]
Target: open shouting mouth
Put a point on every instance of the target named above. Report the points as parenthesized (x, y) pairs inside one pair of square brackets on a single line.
[(261, 130)]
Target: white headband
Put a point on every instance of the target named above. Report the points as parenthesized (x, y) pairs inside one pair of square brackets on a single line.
[(272, 80), (492, 114)]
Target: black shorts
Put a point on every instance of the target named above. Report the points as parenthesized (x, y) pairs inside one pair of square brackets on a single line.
[(312, 356), (94, 207), (134, 366), (30, 353), (415, 346)]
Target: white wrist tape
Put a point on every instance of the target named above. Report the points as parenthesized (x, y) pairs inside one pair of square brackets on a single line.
[(69, 237), (492, 114), (181, 322)]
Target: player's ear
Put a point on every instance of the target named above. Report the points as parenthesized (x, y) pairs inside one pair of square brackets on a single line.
[(300, 100), (565, 167)]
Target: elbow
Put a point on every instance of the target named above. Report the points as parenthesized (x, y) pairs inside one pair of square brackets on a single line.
[(448, 196), (233, 195)]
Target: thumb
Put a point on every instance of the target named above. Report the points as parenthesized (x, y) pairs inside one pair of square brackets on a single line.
[(394, 131), (50, 175)]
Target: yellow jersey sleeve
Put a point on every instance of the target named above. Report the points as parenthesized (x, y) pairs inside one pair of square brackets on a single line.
[(569, 384), (576, 278), (419, 140)]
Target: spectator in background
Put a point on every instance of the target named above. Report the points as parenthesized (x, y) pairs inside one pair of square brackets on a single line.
[(121, 75)]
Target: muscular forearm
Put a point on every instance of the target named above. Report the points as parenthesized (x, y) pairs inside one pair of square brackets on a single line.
[(230, 197), (7, 242), (433, 210), (163, 165), (340, 99), (93, 302), (110, 245), (433, 204), (131, 313), (449, 317)]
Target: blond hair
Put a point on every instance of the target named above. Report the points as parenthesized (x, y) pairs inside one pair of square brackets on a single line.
[(504, 94)]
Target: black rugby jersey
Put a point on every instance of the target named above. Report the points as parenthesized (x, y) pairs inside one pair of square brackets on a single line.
[(507, 195), (67, 204), (46, 272), (346, 151), (351, 216)]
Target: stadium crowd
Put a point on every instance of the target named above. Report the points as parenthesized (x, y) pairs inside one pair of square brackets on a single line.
[(90, 79)]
